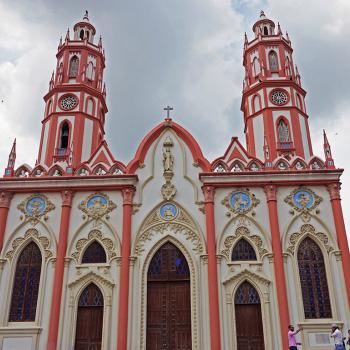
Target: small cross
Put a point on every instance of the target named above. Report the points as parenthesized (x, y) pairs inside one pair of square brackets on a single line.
[(168, 109)]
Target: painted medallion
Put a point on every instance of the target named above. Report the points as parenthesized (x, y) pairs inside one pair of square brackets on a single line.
[(303, 199), (168, 211)]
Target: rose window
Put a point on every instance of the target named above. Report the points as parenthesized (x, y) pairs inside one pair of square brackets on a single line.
[(279, 97), (68, 102)]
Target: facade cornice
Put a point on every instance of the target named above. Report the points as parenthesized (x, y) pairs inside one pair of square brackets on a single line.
[(88, 183)]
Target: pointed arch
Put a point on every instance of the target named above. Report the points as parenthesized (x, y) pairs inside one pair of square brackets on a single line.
[(243, 250), (73, 67), (56, 170), (219, 167), (256, 103), (273, 61), (64, 135), (283, 130), (94, 254), (90, 106), (316, 163), (313, 280), (39, 170), (23, 171), (237, 166), (90, 74), (26, 283)]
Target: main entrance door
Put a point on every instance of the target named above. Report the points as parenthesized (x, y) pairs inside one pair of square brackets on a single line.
[(249, 328), (90, 319), (168, 301)]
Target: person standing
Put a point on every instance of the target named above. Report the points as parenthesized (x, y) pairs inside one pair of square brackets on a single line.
[(291, 337), (348, 341), (337, 337)]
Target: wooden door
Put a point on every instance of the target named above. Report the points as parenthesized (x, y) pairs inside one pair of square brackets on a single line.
[(249, 327), (168, 301), (88, 335)]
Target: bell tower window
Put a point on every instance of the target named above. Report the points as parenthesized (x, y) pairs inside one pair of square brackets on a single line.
[(256, 67), (266, 32), (73, 67), (283, 131), (64, 136), (273, 61), (81, 35)]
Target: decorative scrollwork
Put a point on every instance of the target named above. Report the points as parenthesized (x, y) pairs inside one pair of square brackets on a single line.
[(35, 207), (92, 236), (308, 229), (303, 200), (97, 205), (31, 234), (240, 201), (240, 232)]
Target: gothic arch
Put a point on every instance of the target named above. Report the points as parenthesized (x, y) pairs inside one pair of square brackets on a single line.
[(287, 123), (256, 104), (75, 288), (193, 281), (232, 238), (81, 240), (154, 226), (262, 285)]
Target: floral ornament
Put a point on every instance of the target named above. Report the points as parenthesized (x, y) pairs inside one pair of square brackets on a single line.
[(240, 202), (35, 207), (303, 200), (97, 205)]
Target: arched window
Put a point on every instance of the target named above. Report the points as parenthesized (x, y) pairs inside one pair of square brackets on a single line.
[(313, 280), (89, 107), (266, 32), (64, 135), (256, 67), (256, 104), (94, 254), (26, 285), (243, 251), (273, 61), (90, 71), (88, 334), (81, 35), (49, 108), (283, 131), (74, 67), (287, 67)]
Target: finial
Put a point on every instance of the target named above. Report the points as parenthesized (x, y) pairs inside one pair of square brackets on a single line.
[(279, 28), (100, 42), (60, 43), (327, 151), (86, 16), (262, 14), (12, 156), (104, 93), (67, 35), (287, 36), (245, 38)]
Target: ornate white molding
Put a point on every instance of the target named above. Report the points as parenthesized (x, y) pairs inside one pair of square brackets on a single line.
[(30, 235)]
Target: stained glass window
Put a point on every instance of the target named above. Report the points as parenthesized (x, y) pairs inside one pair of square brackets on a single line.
[(91, 296), (313, 280), (26, 285), (247, 294), (94, 254), (243, 251), (168, 263), (73, 67)]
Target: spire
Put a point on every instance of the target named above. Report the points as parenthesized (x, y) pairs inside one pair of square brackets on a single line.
[(100, 42), (60, 43), (262, 14), (104, 93), (327, 152), (279, 30), (245, 39), (297, 75), (67, 35), (9, 171), (287, 36), (51, 83)]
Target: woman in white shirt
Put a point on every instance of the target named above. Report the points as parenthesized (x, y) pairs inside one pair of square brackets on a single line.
[(337, 337)]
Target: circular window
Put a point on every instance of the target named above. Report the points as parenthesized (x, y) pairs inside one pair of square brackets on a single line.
[(279, 97), (68, 102)]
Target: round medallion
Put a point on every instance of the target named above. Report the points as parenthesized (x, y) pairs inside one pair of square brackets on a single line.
[(36, 206), (68, 102), (240, 202), (303, 199), (279, 97), (97, 202), (168, 211)]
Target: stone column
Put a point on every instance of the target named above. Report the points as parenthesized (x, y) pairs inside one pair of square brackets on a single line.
[(5, 201)]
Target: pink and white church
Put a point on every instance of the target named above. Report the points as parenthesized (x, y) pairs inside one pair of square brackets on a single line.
[(173, 251)]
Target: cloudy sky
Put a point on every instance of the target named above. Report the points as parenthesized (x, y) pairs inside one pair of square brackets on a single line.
[(186, 53)]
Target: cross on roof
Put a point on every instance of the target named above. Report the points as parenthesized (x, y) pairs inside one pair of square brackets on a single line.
[(168, 109)]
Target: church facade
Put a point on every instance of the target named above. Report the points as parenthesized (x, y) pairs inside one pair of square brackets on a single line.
[(172, 251)]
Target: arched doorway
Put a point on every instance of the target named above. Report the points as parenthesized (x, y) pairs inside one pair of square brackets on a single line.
[(249, 327), (168, 301), (88, 335)]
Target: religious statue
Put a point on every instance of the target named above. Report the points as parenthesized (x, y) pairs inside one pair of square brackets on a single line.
[(219, 169), (23, 173), (57, 173), (315, 165), (254, 167), (299, 166), (237, 168), (83, 172), (168, 159), (38, 173)]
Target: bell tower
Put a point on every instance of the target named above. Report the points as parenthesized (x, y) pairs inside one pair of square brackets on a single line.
[(273, 101), (74, 117)]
